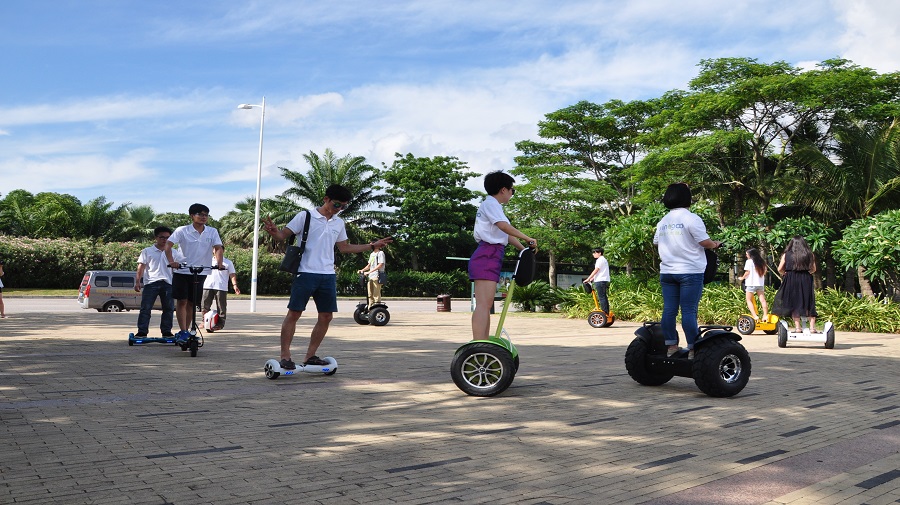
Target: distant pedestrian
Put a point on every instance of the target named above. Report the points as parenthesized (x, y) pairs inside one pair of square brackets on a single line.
[(216, 287), (2, 309), (600, 278), (376, 273)]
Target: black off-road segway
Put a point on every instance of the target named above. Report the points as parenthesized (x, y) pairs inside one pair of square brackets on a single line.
[(720, 367), (193, 341), (488, 367), (375, 313)]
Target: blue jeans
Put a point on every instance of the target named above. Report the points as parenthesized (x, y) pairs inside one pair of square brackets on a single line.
[(681, 291), (163, 290), (602, 288)]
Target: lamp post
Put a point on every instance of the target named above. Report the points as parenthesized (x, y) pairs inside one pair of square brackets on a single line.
[(254, 281)]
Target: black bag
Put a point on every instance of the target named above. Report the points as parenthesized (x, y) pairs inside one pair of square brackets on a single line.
[(382, 277), (712, 266), (291, 261)]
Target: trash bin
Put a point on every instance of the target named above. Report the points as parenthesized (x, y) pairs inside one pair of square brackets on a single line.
[(443, 303)]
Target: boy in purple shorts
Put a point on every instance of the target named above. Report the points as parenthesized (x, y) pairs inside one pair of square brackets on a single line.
[(492, 232)]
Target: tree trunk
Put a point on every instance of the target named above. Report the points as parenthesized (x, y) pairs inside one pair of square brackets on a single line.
[(552, 269), (864, 287)]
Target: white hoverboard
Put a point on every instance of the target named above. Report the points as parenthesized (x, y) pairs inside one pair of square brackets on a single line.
[(273, 368), (785, 335)]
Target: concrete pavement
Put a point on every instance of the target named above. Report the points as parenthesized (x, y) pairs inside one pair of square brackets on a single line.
[(88, 419)]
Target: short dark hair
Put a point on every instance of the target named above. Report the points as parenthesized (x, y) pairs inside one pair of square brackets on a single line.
[(339, 193), (198, 208), (161, 229), (494, 182), (677, 195), (597, 249)]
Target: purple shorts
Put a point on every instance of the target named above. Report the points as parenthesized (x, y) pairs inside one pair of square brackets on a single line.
[(486, 262)]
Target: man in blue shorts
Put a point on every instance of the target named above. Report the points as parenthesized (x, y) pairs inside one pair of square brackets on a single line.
[(316, 277)]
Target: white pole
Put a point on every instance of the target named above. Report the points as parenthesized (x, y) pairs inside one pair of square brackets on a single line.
[(254, 276)]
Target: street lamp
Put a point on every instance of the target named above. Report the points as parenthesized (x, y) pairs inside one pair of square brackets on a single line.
[(254, 281)]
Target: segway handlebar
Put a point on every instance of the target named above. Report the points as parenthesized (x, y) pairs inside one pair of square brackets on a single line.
[(197, 269)]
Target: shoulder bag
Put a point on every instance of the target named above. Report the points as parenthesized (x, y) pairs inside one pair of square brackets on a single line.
[(292, 254)]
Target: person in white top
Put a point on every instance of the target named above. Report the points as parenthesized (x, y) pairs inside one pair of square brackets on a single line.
[(375, 269), (2, 309), (492, 232), (600, 278), (316, 277), (681, 237), (154, 272), (755, 281), (216, 287), (198, 243)]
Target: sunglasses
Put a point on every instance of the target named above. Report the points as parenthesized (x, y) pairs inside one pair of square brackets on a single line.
[(163, 237), (512, 191), (339, 205)]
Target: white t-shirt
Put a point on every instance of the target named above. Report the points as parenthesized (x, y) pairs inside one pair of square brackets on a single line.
[(603, 273), (157, 266), (375, 259), (197, 247), (489, 214), (754, 279), (678, 235), (318, 257), (218, 279)]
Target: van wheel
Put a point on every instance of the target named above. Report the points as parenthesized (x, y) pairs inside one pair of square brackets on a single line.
[(113, 307)]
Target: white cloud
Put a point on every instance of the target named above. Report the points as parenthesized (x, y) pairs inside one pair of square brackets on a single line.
[(872, 38)]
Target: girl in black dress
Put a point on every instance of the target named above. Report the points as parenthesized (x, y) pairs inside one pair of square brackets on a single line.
[(796, 297)]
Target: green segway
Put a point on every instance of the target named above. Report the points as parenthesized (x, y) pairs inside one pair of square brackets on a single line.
[(488, 367)]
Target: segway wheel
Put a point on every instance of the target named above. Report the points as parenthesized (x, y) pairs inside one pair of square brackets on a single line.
[(770, 332), (598, 319), (482, 369), (636, 364), (829, 338), (610, 319), (782, 335), (193, 345), (379, 316), (746, 325), (358, 315), (270, 372), (721, 367)]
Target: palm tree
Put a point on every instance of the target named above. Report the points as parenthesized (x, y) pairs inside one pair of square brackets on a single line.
[(140, 221), (236, 227), (859, 178)]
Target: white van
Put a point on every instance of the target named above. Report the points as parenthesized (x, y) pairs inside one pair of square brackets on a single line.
[(110, 291)]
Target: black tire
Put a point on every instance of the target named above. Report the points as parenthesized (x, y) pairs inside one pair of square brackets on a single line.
[(379, 316), (782, 335), (113, 307), (270, 372), (358, 315), (482, 369), (636, 364), (193, 345), (597, 319), (331, 372), (746, 325), (829, 338), (770, 332), (721, 367)]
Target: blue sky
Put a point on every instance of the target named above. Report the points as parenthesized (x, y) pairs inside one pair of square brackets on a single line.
[(137, 100)]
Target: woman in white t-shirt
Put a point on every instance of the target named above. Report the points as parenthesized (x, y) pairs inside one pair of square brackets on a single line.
[(681, 237), (755, 282)]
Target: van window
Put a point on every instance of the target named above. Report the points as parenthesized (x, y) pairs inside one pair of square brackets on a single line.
[(122, 282), (102, 281)]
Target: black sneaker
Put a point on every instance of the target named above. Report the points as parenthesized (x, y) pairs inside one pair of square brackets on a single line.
[(287, 364), (317, 361), (140, 334), (168, 334)]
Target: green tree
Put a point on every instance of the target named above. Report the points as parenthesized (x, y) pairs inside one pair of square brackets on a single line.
[(434, 216)]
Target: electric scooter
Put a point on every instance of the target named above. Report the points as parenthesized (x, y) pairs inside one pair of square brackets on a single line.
[(375, 313), (488, 367), (598, 318), (785, 335), (194, 340), (720, 366), (747, 324)]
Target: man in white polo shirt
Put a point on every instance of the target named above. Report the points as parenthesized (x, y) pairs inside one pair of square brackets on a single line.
[(316, 277), (198, 243), (154, 272)]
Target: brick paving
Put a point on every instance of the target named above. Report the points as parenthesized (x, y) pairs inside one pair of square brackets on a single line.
[(88, 419)]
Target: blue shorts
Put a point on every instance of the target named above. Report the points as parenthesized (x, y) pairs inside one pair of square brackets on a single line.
[(486, 262), (321, 287)]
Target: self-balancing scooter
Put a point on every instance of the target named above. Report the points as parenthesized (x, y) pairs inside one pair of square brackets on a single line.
[(488, 367), (747, 324), (273, 368), (598, 318), (720, 367), (193, 340), (375, 313), (826, 337)]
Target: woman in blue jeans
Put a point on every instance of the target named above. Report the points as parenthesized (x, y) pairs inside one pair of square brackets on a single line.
[(681, 238)]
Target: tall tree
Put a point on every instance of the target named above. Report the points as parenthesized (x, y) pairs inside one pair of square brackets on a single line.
[(434, 216)]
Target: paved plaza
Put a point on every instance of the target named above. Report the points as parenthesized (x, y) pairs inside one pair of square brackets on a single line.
[(88, 419)]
